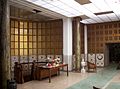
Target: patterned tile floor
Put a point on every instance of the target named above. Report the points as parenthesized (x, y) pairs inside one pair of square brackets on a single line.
[(100, 79), (63, 82)]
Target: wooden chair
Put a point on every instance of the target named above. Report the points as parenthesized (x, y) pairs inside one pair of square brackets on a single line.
[(91, 67), (22, 72)]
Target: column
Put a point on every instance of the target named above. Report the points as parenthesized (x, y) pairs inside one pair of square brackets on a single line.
[(4, 44), (67, 42), (78, 44), (85, 42)]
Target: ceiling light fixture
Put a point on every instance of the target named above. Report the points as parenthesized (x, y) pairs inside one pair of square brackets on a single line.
[(36, 11)]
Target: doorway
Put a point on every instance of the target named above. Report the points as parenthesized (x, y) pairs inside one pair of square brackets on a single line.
[(114, 52)]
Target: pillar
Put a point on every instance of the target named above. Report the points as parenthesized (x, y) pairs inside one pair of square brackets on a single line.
[(67, 42), (85, 42), (4, 44), (78, 44)]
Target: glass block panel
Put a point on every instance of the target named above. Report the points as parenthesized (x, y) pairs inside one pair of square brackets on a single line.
[(48, 51), (16, 52), (25, 44), (25, 31), (12, 38), (30, 44), (43, 45), (25, 38), (30, 51), (39, 25), (21, 44), (43, 25), (16, 30), (48, 25), (34, 45), (39, 38), (52, 38), (48, 32), (30, 38), (34, 52), (34, 32), (12, 23), (47, 38), (34, 25), (52, 51), (43, 32), (39, 31), (16, 37), (21, 51), (34, 38), (12, 52), (16, 24), (60, 51), (42, 38), (16, 44), (12, 45), (43, 51), (30, 25), (21, 24), (39, 51), (25, 52), (30, 31), (21, 31), (21, 38), (39, 45), (25, 24), (48, 45), (12, 31)]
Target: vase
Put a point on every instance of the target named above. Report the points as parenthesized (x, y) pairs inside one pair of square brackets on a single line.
[(83, 64)]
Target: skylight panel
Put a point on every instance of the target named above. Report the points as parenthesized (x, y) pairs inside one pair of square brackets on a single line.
[(38, 2), (97, 19), (47, 6), (104, 17), (101, 5), (91, 21), (115, 6), (91, 7), (112, 16), (54, 9)]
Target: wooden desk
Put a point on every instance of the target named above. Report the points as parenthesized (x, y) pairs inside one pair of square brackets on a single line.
[(53, 68)]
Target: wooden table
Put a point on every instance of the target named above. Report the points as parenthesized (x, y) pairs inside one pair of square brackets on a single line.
[(55, 67)]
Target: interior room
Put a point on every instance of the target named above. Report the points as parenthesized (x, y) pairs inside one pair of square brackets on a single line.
[(60, 44)]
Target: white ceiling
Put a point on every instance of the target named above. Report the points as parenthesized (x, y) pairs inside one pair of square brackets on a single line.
[(97, 11)]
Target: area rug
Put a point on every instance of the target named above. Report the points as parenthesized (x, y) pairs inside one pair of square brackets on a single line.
[(113, 86), (99, 79)]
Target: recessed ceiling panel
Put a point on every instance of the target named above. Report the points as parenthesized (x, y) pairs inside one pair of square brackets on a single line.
[(104, 18), (112, 16), (19, 13), (83, 1)]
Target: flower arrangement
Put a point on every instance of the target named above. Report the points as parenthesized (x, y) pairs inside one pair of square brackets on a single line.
[(56, 61), (53, 62)]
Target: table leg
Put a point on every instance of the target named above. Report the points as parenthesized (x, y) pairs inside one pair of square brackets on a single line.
[(49, 75), (58, 71), (67, 70), (39, 74)]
